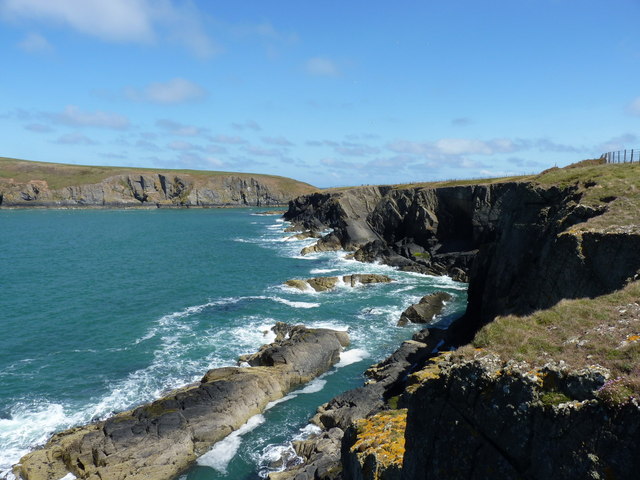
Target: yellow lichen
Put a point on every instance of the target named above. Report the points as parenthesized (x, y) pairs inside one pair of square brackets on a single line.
[(382, 435)]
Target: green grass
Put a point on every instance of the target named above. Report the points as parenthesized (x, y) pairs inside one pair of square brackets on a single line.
[(604, 331)]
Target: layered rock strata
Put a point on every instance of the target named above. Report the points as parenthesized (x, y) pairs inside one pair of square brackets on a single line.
[(159, 440)]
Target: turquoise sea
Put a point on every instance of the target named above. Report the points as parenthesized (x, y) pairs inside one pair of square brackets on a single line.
[(102, 310)]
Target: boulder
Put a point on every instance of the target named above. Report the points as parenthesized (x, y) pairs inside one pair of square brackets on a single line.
[(424, 311)]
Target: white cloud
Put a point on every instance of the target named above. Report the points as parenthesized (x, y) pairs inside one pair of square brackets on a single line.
[(35, 43), (176, 90), (182, 146), (122, 21), (634, 107), (73, 116), (322, 67), (454, 146), (115, 20)]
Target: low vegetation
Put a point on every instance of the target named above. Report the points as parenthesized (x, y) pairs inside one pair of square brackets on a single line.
[(583, 332)]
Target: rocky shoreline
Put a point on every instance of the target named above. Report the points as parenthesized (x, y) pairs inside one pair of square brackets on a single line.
[(523, 248), (161, 439)]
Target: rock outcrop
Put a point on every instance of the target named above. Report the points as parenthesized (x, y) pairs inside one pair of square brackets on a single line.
[(514, 241), (51, 185), (426, 309), (508, 420), (159, 440), (524, 247), (322, 284)]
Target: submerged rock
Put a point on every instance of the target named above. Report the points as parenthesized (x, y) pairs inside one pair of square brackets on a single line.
[(160, 439)]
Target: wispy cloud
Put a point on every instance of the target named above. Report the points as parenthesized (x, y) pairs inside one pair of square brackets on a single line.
[(74, 139), (634, 106), (121, 21), (322, 67), (231, 140), (461, 122), (279, 141), (74, 116), (35, 43), (180, 129), (247, 125), (38, 128), (176, 90)]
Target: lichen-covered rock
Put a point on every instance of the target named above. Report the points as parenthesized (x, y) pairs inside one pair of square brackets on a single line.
[(373, 447), (508, 420), (159, 440)]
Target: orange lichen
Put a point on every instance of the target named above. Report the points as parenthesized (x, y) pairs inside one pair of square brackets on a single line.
[(382, 435), (633, 338)]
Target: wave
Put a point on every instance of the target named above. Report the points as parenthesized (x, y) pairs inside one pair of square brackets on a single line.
[(223, 452), (352, 356)]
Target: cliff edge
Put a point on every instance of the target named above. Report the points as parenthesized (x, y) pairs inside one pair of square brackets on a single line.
[(545, 379), (38, 184)]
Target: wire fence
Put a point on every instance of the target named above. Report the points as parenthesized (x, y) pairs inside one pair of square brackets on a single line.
[(622, 156)]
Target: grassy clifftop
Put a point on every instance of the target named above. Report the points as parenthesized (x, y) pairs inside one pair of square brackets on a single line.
[(59, 175)]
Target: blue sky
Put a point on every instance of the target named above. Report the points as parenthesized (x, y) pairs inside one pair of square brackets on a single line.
[(328, 92)]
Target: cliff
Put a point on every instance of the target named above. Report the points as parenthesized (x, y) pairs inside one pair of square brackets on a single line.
[(547, 384), (37, 184)]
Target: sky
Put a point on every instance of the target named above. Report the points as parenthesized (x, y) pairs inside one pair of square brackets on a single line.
[(332, 93)]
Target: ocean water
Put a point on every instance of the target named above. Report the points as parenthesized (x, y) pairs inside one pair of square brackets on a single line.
[(102, 310)]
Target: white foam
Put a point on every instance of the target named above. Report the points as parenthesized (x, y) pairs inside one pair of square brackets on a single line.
[(313, 386), (29, 425), (69, 476), (317, 271), (295, 304), (273, 403), (307, 431), (349, 357), (223, 452)]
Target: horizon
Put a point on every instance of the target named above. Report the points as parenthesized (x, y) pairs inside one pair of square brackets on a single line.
[(330, 95)]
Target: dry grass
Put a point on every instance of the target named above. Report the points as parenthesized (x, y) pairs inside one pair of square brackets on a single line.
[(600, 331)]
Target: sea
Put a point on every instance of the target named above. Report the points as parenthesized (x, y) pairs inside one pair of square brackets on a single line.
[(103, 310)]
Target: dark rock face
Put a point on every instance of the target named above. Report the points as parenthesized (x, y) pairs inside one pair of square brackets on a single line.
[(425, 310), (160, 439), (512, 240), (497, 420)]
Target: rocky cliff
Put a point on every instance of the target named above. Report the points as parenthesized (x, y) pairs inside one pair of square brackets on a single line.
[(32, 184), (548, 383)]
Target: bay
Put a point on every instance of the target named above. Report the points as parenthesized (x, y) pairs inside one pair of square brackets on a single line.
[(102, 310)]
